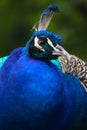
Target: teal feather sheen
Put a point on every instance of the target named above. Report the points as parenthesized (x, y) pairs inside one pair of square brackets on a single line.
[(2, 60)]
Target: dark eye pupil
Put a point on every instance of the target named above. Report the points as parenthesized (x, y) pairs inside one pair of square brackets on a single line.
[(41, 43)]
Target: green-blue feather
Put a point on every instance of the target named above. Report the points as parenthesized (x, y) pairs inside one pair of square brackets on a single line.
[(2, 60)]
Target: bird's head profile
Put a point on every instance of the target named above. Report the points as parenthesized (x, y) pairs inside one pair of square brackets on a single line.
[(43, 43)]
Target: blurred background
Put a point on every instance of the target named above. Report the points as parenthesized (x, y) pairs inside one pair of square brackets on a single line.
[(17, 18)]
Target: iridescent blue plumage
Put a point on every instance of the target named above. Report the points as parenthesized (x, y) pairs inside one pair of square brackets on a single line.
[(35, 94)]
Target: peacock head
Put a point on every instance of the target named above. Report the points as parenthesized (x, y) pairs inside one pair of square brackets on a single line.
[(44, 44)]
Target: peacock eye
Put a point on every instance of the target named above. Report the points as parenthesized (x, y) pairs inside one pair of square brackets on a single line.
[(38, 43), (42, 43)]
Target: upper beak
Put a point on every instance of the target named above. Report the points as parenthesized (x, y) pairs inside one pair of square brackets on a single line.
[(60, 51)]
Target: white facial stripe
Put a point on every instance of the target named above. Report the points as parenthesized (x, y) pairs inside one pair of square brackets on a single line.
[(50, 43), (37, 45)]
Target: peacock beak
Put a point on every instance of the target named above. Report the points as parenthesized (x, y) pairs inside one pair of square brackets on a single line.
[(60, 51)]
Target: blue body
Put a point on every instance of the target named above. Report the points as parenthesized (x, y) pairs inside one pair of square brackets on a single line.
[(36, 95)]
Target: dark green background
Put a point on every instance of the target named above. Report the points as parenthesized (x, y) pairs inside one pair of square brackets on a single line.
[(18, 16)]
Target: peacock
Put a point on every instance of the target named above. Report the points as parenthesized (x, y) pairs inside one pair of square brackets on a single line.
[(35, 93)]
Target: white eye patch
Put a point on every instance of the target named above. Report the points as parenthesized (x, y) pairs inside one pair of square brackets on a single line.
[(36, 41)]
